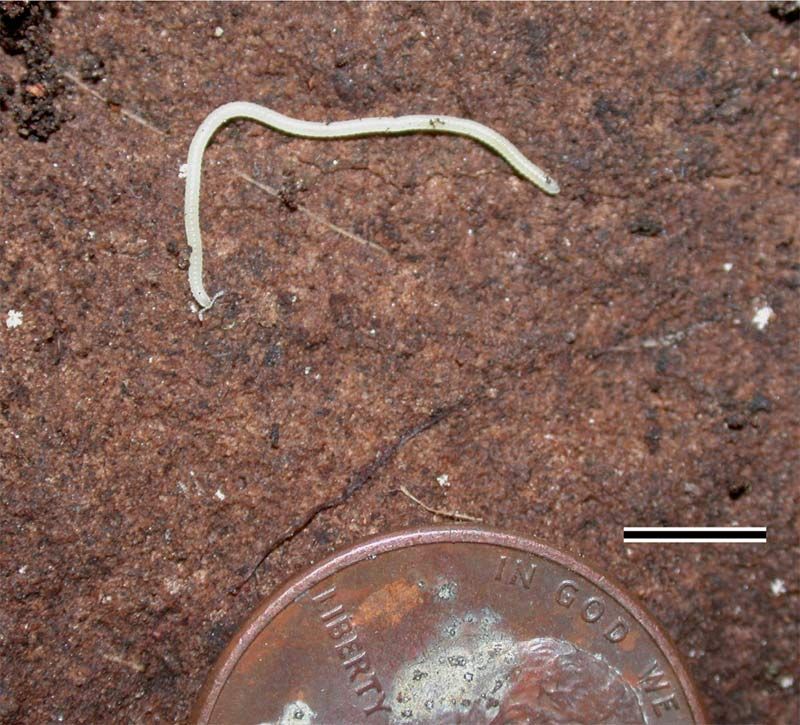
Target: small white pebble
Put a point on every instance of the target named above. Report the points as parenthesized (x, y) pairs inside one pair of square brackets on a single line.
[(306, 371), (218, 32), (763, 316), (219, 495), (728, 266), (22, 569), (786, 682), (444, 480), (183, 170), (777, 587), (13, 319)]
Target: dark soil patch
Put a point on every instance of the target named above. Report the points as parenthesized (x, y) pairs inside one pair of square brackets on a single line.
[(25, 30)]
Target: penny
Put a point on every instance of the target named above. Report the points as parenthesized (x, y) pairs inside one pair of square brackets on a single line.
[(449, 625)]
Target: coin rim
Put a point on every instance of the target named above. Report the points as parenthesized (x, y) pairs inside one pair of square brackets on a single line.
[(420, 536)]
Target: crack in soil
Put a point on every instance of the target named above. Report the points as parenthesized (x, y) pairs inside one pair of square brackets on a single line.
[(356, 482), (494, 388)]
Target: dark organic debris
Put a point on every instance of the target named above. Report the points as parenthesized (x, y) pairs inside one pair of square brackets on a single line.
[(735, 421), (91, 67), (6, 88), (760, 404), (737, 490), (646, 227), (6, 91), (25, 30), (652, 439), (289, 193), (787, 12)]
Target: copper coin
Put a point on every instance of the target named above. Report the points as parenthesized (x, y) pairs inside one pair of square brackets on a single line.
[(449, 625)]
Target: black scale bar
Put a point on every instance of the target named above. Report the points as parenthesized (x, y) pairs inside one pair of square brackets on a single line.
[(686, 534)]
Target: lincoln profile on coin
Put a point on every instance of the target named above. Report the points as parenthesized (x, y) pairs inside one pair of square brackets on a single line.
[(554, 683)]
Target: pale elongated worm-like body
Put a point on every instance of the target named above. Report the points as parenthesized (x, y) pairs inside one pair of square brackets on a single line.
[(337, 129)]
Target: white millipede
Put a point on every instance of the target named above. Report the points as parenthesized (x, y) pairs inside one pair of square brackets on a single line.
[(338, 129)]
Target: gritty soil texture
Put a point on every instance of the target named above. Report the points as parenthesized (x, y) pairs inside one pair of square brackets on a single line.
[(571, 364)]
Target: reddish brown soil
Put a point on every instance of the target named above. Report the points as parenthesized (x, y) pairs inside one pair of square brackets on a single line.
[(572, 364)]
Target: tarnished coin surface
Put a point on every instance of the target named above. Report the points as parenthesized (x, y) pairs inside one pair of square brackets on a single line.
[(449, 625)]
